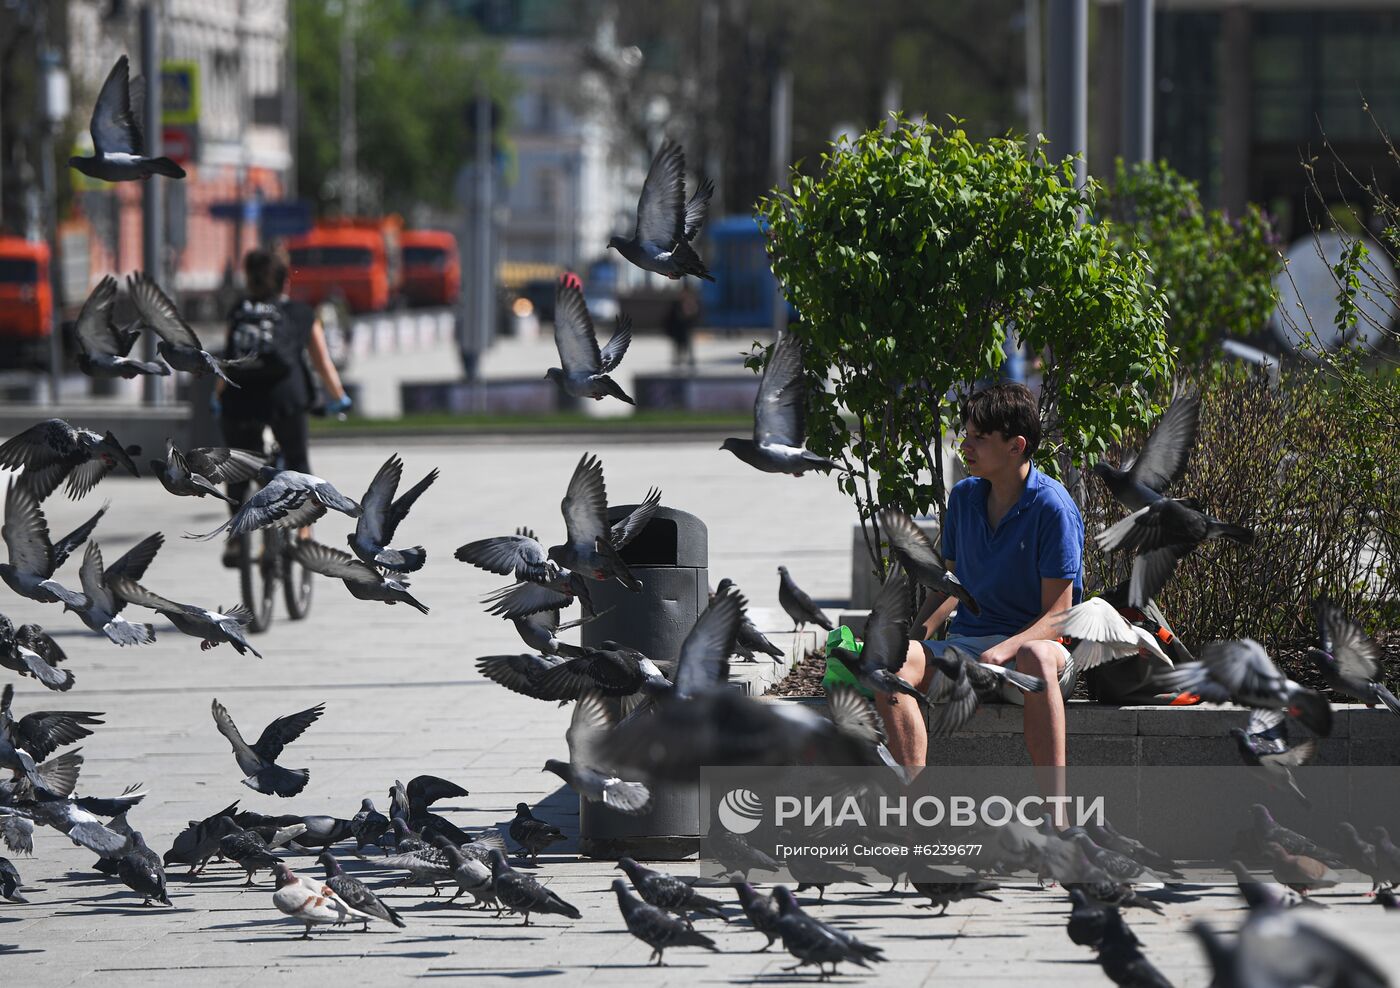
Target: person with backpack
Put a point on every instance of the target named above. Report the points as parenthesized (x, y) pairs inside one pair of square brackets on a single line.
[(276, 390)]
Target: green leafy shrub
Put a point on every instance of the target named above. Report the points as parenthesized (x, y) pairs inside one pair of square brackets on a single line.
[(909, 256)]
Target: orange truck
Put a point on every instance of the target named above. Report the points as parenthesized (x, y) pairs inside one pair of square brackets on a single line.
[(432, 270), (356, 260), (26, 294)]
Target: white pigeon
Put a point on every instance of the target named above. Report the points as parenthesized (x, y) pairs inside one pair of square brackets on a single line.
[(311, 902), (1103, 635)]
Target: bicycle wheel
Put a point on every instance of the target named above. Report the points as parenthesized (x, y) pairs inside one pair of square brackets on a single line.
[(296, 584), (252, 579)]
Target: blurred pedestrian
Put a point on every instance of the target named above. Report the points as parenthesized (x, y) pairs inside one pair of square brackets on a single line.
[(277, 391), (681, 320)]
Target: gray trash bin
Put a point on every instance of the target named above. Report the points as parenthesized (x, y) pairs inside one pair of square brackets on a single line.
[(671, 559)]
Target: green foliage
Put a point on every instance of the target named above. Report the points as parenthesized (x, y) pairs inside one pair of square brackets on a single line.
[(909, 256), (1215, 272), (417, 71), (1315, 479)]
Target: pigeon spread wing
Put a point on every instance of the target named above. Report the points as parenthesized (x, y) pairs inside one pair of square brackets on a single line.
[(589, 723), (159, 312), (133, 565), (708, 645), (778, 412), (1166, 451), (230, 731), (46, 443), (661, 207), (93, 580), (26, 534), (1357, 655), (697, 207), (574, 335), (132, 592), (284, 730), (618, 343), (585, 506), (907, 538), (524, 599), (398, 511), (887, 628), (113, 126), (627, 529), (333, 563), (65, 546), (224, 466), (504, 555), (85, 476), (94, 326), (378, 499)]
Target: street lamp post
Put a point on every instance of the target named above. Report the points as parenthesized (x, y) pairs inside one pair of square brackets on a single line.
[(152, 218)]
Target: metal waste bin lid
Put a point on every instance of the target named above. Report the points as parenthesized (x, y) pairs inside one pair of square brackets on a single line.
[(673, 538)]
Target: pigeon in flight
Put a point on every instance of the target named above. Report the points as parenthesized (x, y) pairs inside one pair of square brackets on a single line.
[(877, 664), (798, 605), (1242, 671), (1162, 533), (52, 451), (1101, 634), (750, 641), (612, 669), (259, 762), (210, 626), (960, 684), (543, 586), (118, 149), (80, 818), (32, 557), (103, 347), (666, 221), (779, 417), (178, 343), (364, 581), (311, 903), (916, 554), (523, 673), (30, 652), (522, 895), (541, 631), (1349, 660), (590, 547), (98, 606), (1146, 479), (1264, 745), (197, 472), (43, 732), (582, 772), (380, 516), (287, 499), (655, 927), (586, 368)]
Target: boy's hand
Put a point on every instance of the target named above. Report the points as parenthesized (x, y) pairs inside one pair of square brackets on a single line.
[(1000, 654)]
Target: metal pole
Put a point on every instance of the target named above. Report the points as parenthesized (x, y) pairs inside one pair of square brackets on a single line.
[(781, 145), (1067, 83), (485, 206), (1035, 71), (152, 220), (289, 101), (1137, 80), (48, 58), (349, 139)]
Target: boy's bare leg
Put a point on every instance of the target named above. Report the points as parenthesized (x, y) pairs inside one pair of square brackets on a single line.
[(1044, 720), (905, 728)]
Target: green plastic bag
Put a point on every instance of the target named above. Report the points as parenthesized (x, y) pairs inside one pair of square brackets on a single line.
[(836, 672)]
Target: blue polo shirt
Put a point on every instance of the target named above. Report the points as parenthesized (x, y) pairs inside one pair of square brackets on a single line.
[(1041, 537)]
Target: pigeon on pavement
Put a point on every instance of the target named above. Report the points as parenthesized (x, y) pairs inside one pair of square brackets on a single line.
[(913, 551), (309, 902), (103, 348), (1242, 671), (139, 869), (1264, 745), (98, 606), (655, 927), (380, 516), (472, 873), (259, 762), (1358, 854), (1387, 856), (10, 881), (533, 834), (354, 893), (1264, 895), (1102, 635), (1086, 920), (1118, 867), (1278, 948), (197, 472), (666, 221), (1122, 959), (118, 149), (1106, 836), (761, 910), (948, 890), (43, 732), (52, 451), (179, 344), (32, 557), (210, 626), (199, 842), (813, 942), (780, 417), (1298, 871), (798, 605), (522, 895), (287, 499), (1349, 660), (421, 793), (368, 825), (1267, 830), (669, 892), (363, 580), (31, 652), (591, 721), (876, 665), (585, 369)]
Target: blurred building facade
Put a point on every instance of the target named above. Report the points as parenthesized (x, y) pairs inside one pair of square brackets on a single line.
[(1246, 90), (236, 149)]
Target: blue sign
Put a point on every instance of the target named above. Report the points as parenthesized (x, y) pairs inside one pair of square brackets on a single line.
[(285, 218)]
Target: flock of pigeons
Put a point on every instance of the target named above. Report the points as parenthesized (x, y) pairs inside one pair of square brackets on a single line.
[(636, 719)]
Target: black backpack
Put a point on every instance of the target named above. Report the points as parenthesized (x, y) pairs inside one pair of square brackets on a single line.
[(259, 330)]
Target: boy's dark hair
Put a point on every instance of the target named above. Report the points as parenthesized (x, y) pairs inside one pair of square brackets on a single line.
[(1008, 408), (266, 273)]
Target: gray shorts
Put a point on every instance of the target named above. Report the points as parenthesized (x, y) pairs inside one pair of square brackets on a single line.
[(977, 644)]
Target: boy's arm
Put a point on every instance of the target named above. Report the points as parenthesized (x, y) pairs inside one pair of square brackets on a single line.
[(935, 611), (1055, 596)]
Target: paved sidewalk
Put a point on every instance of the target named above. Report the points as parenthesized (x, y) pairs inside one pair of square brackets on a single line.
[(403, 698)]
